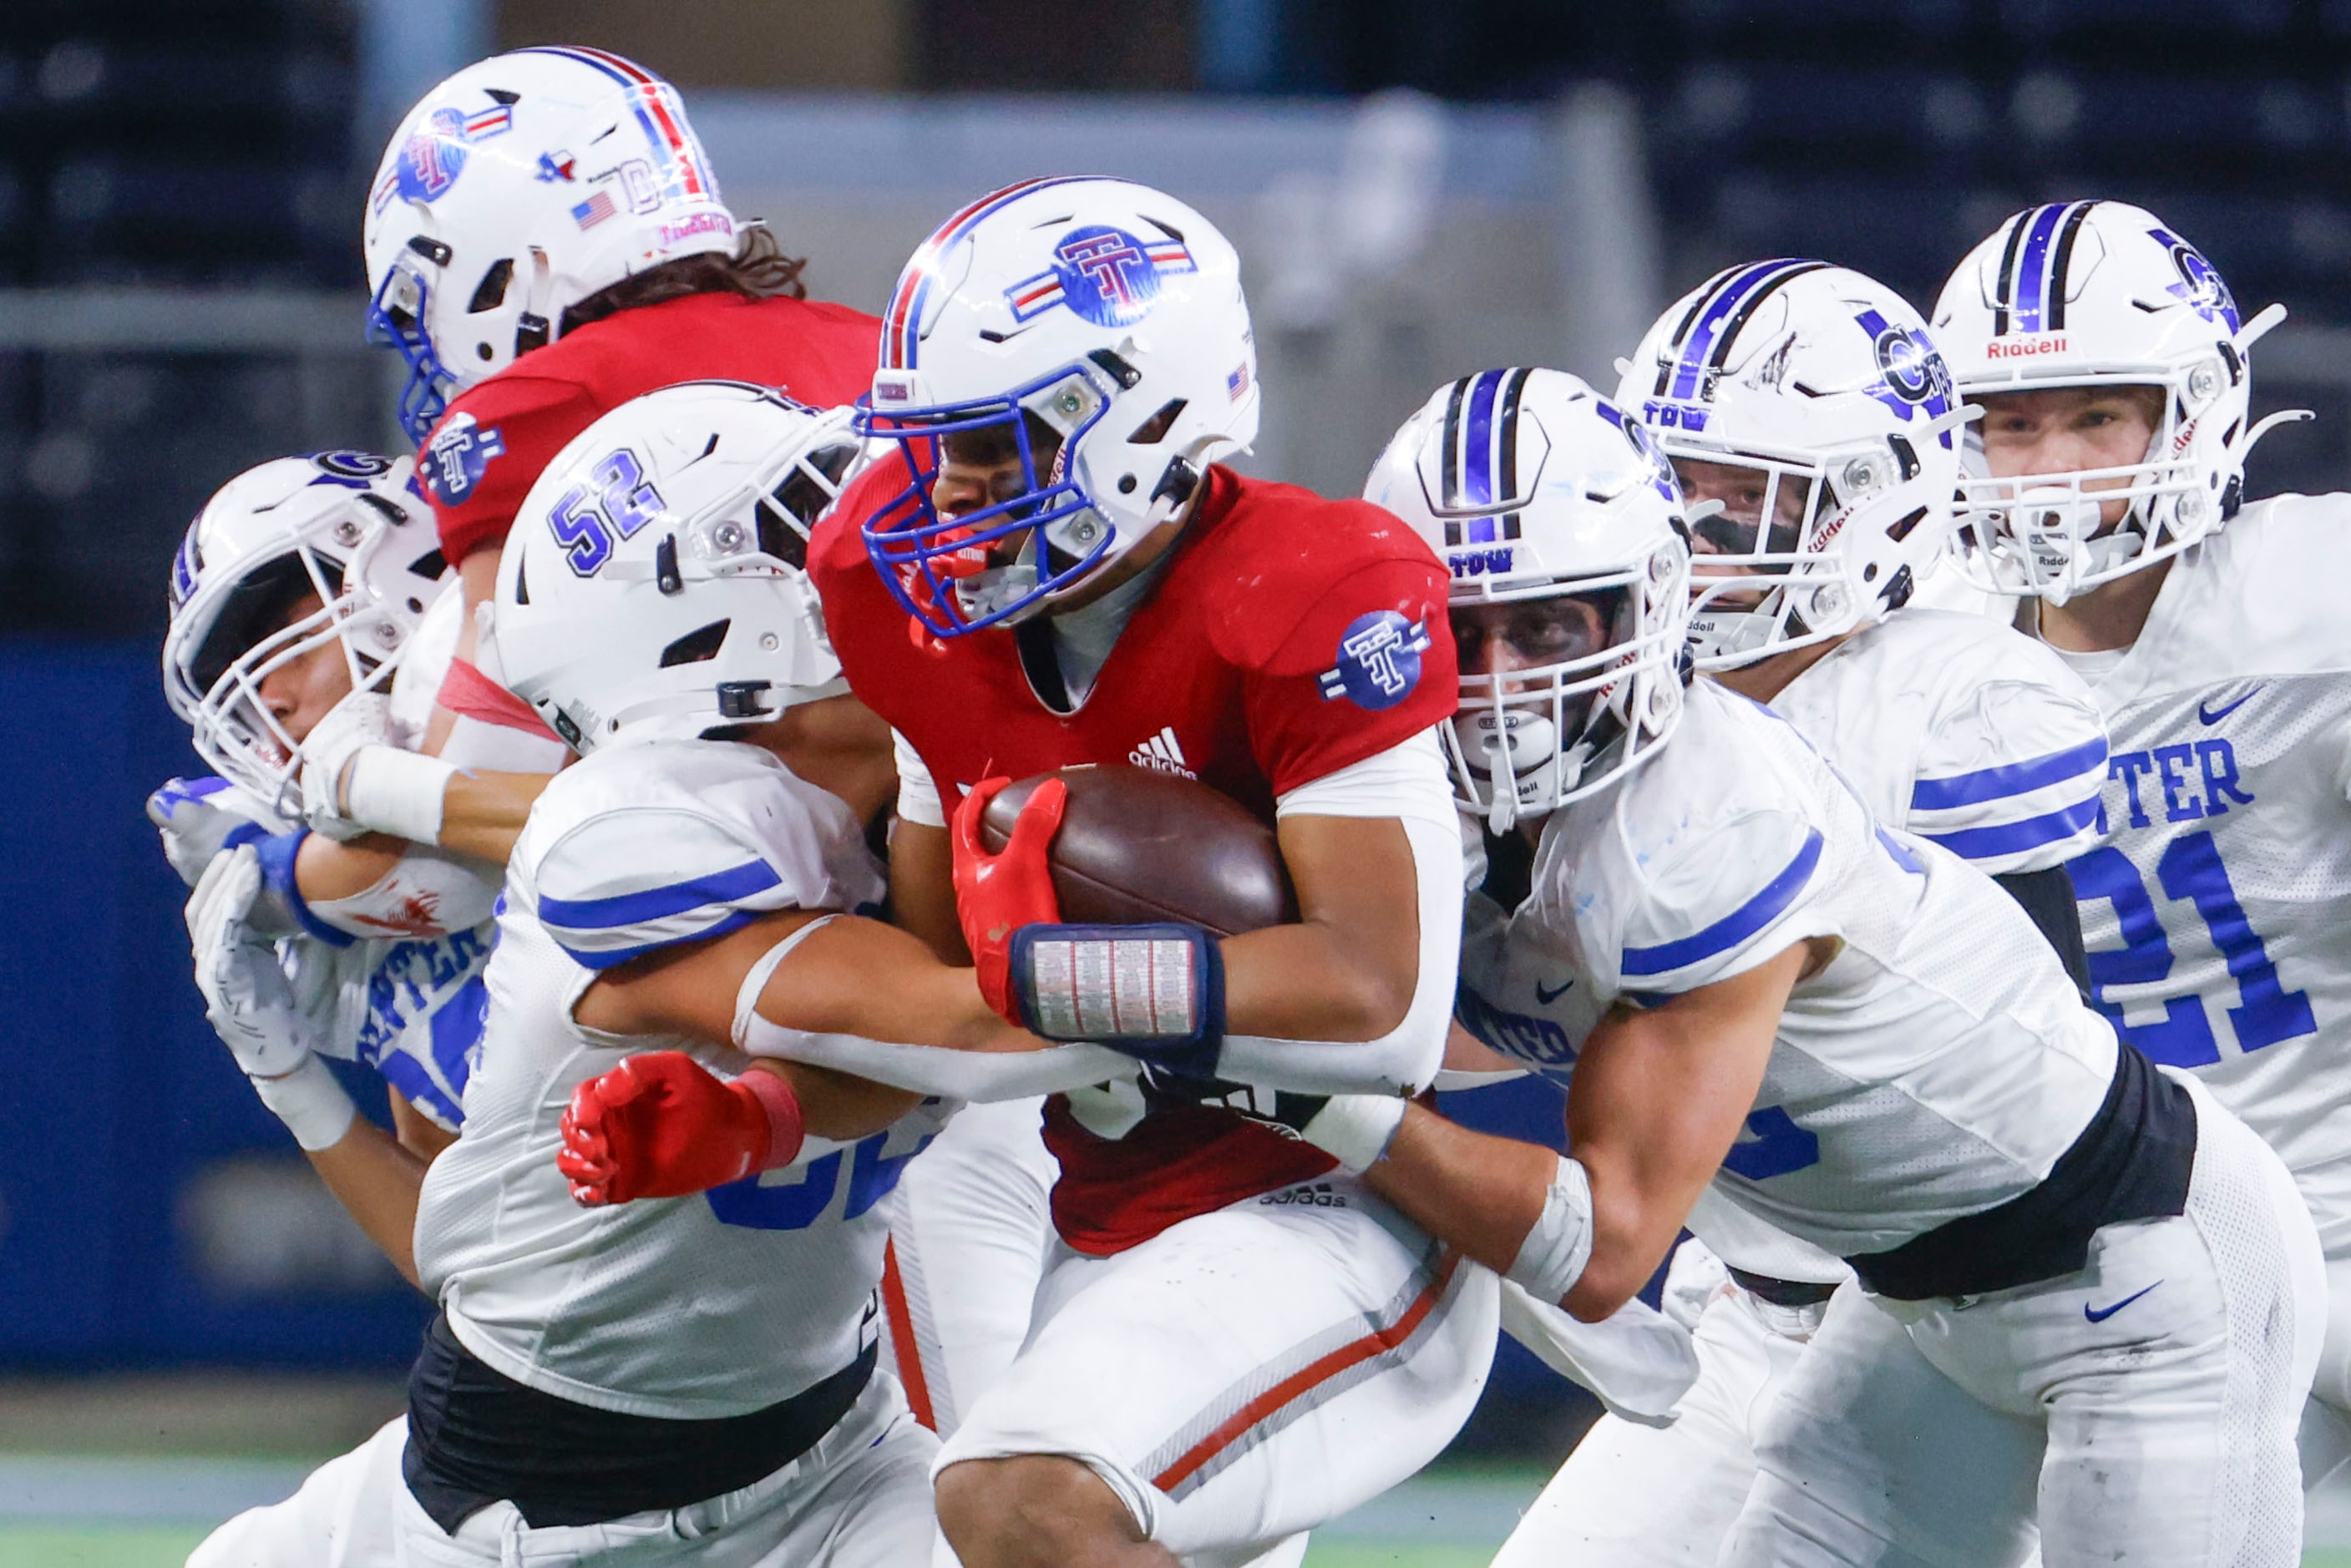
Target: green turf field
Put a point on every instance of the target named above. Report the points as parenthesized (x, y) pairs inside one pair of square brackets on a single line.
[(111, 1507)]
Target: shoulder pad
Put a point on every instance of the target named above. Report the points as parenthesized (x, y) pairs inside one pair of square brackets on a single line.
[(2012, 761), (646, 846), (1709, 861), (1283, 556)]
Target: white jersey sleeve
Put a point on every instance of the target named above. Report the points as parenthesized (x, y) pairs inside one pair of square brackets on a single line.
[(1693, 884), (627, 859), (1939, 1066), (681, 1308), (1963, 731), (2009, 776)]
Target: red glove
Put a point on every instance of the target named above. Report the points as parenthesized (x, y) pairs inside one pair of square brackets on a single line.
[(995, 895), (663, 1125)]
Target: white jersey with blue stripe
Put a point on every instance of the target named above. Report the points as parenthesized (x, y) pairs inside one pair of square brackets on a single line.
[(1968, 733), (1936, 1068), (410, 1007), (2216, 904), (688, 1308)]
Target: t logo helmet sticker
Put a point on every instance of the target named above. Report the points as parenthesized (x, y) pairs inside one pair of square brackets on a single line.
[(1105, 276)]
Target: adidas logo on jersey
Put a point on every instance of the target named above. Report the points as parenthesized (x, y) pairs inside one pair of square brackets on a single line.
[(1162, 752)]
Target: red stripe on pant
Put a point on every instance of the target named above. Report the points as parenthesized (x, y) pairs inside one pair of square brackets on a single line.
[(1299, 1383), (905, 1350)]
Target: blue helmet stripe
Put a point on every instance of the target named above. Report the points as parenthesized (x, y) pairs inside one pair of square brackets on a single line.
[(2029, 296), (1711, 331), (1478, 440)]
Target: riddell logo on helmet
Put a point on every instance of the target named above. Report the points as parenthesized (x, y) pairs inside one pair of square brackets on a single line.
[(2025, 348)]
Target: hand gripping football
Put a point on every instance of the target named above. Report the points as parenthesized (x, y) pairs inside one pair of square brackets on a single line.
[(1137, 845)]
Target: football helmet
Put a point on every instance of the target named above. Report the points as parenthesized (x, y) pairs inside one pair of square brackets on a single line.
[(515, 190), (655, 585), (1564, 530), (349, 526), (2100, 294), (1096, 328), (1820, 385)]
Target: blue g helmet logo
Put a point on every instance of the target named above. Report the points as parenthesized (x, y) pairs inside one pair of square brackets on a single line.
[(1106, 275), (1911, 370), (2200, 288)]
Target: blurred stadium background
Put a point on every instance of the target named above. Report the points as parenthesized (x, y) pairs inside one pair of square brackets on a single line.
[(1420, 188)]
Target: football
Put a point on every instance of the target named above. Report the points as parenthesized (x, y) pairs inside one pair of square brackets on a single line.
[(1137, 845)]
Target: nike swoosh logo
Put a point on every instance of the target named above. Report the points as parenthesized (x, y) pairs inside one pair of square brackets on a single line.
[(2094, 1315), (1545, 998), (2210, 717)]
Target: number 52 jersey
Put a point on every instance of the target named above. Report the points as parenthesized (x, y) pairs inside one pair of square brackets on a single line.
[(2216, 905), (682, 1308)]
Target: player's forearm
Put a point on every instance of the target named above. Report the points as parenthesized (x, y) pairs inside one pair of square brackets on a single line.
[(837, 1106), (325, 870), (377, 886), (1479, 1192), (1313, 982), (922, 888), (1357, 997), (482, 813), (855, 976), (377, 1182)]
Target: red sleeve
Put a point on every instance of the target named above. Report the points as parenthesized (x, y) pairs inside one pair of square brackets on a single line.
[(1367, 667), (487, 450)]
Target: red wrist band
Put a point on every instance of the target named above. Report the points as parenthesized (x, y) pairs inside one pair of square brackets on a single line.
[(785, 1131)]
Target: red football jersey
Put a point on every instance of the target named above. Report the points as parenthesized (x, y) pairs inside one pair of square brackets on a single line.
[(489, 449), (1291, 637)]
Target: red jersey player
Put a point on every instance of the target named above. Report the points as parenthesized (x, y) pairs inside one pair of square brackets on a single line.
[(1053, 571), (545, 240)]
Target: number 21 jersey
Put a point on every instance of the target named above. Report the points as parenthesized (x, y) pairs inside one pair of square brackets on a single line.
[(2216, 905)]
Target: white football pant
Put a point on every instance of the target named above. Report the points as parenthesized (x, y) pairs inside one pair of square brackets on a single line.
[(2144, 1407), (341, 1518), (860, 1499), (1249, 1374), (971, 1227), (1658, 1496)]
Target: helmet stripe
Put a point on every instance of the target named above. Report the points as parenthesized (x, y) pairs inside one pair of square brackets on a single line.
[(1698, 298), (1515, 384), (2029, 296), (1477, 444), (1707, 344), (662, 129), (652, 111), (611, 65), (2062, 259), (2004, 283), (901, 319), (1449, 483)]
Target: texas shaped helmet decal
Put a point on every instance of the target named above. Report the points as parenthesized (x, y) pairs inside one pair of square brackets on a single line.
[(1104, 274)]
